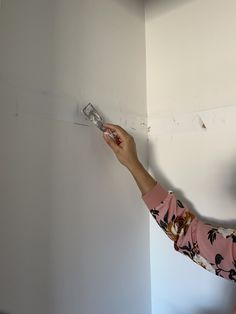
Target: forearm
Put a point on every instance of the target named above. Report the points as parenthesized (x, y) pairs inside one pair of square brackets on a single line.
[(143, 179), (210, 246)]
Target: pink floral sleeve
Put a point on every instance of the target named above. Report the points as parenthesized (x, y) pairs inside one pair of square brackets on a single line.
[(213, 248)]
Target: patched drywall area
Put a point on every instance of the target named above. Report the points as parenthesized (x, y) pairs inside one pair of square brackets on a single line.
[(74, 237), (191, 96)]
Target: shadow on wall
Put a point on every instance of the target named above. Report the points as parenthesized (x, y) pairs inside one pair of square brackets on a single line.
[(231, 186), (155, 8), (231, 304), (135, 7), (230, 287), (157, 172)]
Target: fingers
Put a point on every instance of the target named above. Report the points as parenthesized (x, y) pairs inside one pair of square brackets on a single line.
[(119, 130), (111, 143)]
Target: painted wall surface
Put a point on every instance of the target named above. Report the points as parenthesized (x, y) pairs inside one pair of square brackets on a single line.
[(74, 232), (191, 65)]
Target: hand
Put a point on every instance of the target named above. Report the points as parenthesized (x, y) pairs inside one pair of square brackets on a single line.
[(125, 151)]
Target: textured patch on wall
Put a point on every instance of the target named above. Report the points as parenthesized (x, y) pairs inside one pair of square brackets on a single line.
[(194, 122)]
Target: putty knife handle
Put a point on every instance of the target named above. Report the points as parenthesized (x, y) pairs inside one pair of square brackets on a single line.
[(115, 138)]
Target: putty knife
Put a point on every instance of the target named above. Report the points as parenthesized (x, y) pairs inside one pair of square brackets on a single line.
[(91, 113)]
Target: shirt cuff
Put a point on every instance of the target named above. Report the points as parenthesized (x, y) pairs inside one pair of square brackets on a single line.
[(154, 197)]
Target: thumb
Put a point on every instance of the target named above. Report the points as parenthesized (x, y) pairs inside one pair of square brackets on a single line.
[(111, 142)]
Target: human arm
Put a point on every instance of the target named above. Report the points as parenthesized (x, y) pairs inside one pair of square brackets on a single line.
[(127, 155), (211, 247)]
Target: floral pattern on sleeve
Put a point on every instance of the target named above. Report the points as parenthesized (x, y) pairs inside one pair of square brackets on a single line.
[(210, 247)]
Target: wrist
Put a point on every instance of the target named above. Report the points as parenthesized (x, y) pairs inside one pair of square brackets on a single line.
[(143, 179), (135, 166)]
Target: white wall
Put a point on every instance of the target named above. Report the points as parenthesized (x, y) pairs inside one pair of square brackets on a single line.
[(73, 236), (74, 233), (191, 67)]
